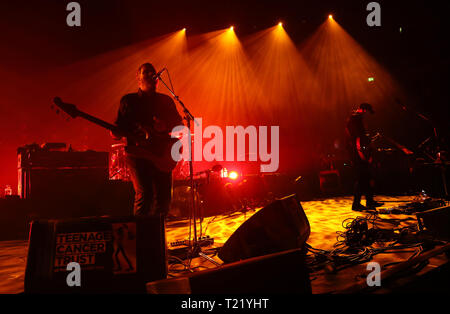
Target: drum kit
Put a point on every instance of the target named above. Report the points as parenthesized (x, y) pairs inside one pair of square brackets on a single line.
[(118, 169)]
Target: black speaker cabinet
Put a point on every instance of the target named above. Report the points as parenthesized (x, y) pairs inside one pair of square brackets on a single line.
[(116, 255), (279, 273), (60, 175), (436, 222), (280, 226), (64, 184)]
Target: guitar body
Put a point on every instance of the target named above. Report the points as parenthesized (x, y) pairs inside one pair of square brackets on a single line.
[(364, 147), (160, 155)]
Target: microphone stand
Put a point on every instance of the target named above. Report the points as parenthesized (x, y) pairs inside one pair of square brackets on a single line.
[(194, 247)]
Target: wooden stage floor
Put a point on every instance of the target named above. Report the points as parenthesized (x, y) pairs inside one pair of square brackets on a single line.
[(325, 217)]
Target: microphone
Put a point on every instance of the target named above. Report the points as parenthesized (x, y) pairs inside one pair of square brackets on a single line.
[(157, 75)]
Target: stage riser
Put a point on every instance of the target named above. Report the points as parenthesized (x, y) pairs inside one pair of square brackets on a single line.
[(283, 272)]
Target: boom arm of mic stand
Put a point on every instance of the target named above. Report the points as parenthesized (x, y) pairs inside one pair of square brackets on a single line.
[(406, 108), (186, 111)]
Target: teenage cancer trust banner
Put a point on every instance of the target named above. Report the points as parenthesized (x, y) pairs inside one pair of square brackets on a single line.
[(99, 250)]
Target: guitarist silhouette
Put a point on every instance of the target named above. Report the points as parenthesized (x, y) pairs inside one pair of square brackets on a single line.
[(361, 156), (154, 115)]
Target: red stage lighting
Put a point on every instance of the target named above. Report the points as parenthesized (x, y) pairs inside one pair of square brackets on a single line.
[(233, 175)]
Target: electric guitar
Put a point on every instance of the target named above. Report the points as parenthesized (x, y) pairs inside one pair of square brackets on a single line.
[(365, 150), (364, 146), (150, 145)]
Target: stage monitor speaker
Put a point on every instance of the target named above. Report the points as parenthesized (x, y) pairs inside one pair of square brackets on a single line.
[(280, 226), (115, 254), (278, 273), (436, 221)]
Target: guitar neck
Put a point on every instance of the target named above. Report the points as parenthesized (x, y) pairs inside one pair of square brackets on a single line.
[(97, 121), (109, 126), (72, 111)]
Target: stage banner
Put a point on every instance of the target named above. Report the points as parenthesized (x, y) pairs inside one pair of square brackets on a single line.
[(114, 254)]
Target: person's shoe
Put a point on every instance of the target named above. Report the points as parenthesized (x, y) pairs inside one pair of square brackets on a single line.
[(374, 204), (358, 207)]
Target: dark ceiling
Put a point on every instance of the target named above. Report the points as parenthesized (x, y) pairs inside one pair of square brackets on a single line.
[(35, 35)]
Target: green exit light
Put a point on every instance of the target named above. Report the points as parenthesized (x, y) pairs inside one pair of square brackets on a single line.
[(371, 79)]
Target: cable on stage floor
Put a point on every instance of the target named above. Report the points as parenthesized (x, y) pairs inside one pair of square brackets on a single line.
[(362, 239)]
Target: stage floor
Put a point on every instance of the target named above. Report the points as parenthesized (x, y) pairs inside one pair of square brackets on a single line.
[(325, 217)]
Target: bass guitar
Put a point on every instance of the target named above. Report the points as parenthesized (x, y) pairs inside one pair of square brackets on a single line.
[(150, 145)]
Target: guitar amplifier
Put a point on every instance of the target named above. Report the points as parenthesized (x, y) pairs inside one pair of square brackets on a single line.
[(115, 254), (62, 174)]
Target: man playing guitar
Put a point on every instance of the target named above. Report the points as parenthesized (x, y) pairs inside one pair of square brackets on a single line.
[(155, 115), (360, 151)]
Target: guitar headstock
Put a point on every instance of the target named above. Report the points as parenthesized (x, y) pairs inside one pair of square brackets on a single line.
[(376, 136), (70, 109)]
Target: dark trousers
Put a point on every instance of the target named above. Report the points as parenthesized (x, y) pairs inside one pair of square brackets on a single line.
[(152, 188), (363, 179)]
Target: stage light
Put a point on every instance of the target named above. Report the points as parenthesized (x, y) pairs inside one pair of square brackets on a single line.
[(233, 175), (345, 72), (184, 29), (231, 28), (280, 24), (224, 173), (330, 17)]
